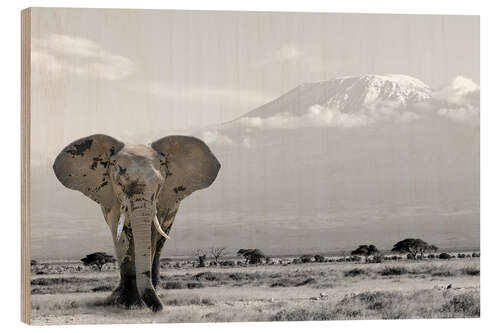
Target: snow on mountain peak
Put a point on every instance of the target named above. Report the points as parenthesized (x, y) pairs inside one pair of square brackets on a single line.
[(348, 94), (354, 93)]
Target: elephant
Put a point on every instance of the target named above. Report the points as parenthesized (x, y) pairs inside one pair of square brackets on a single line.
[(139, 189)]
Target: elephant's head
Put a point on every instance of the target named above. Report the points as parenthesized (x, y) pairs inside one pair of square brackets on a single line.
[(142, 181)]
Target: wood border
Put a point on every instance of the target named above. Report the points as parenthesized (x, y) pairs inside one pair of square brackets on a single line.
[(25, 163)]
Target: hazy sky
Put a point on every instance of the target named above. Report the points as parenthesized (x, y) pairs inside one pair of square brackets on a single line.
[(141, 74), (120, 71)]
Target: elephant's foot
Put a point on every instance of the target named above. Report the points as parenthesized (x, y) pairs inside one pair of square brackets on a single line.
[(152, 300), (128, 298)]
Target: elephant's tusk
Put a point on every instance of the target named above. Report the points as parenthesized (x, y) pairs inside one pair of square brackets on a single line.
[(158, 227), (120, 226)]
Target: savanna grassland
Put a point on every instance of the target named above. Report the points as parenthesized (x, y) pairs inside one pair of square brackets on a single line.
[(68, 293)]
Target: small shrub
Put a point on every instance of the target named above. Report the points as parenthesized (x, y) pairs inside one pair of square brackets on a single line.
[(319, 258), (207, 301), (306, 282), (292, 315), (470, 271), (461, 255), (306, 258), (442, 271), (189, 301), (431, 256), (102, 288), (282, 283), (355, 272), (475, 255), (237, 276), (393, 270), (356, 258), (378, 259), (173, 285), (466, 305), (444, 255), (37, 291), (208, 276), (194, 285)]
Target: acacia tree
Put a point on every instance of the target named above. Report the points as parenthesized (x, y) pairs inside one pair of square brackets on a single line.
[(413, 246), (365, 251), (97, 259), (252, 256), (201, 256), (216, 253)]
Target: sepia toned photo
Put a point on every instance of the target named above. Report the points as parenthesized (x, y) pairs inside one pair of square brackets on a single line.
[(219, 166)]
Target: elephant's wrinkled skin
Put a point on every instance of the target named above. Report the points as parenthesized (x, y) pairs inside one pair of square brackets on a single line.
[(136, 184)]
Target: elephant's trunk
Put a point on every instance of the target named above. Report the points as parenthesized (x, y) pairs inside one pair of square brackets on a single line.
[(141, 220)]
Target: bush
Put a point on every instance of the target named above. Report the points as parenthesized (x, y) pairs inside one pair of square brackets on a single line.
[(227, 263), (443, 272), (283, 283), (173, 285), (355, 272), (356, 258), (97, 259), (470, 271), (461, 255), (208, 276), (252, 256), (306, 282), (431, 256), (194, 285), (444, 255), (378, 259), (393, 270), (410, 256), (306, 258), (102, 288), (319, 258), (475, 255), (467, 305)]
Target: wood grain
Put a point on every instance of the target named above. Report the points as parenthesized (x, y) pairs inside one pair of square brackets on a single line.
[(25, 163)]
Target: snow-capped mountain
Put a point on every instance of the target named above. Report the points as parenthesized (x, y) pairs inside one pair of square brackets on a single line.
[(352, 102), (348, 95)]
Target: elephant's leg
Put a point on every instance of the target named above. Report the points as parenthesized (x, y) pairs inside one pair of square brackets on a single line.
[(166, 222), (155, 277), (125, 294)]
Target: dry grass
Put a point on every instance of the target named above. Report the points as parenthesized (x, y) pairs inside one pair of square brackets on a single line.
[(389, 305), (263, 293)]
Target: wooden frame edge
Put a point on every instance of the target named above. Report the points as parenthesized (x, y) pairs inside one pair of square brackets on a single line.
[(25, 163)]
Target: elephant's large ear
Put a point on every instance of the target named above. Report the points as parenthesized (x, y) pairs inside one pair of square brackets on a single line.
[(189, 166), (83, 166)]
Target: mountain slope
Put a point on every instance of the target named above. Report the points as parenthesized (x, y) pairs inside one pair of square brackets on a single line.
[(347, 95)]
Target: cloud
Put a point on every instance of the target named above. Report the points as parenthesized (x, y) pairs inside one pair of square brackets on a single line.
[(56, 55), (215, 137), (321, 116), (465, 114), (209, 95), (459, 101)]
